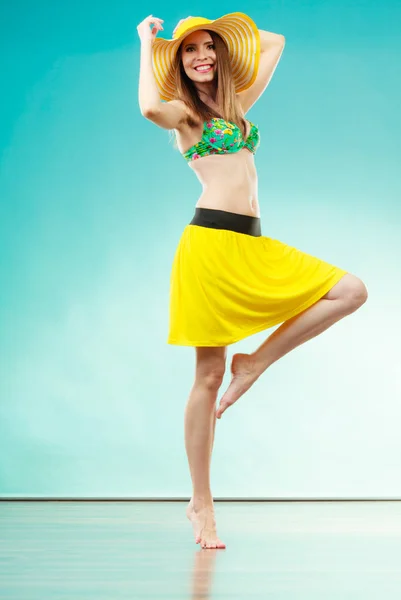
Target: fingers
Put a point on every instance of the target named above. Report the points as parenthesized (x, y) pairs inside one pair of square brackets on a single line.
[(157, 27), (149, 27), (151, 20), (156, 21), (155, 18), (157, 24)]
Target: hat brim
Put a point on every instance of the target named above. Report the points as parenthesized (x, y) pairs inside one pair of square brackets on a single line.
[(243, 41)]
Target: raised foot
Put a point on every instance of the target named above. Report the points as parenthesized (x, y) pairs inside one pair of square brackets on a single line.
[(244, 374), (204, 526)]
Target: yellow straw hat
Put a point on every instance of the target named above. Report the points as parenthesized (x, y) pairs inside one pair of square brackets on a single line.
[(238, 31)]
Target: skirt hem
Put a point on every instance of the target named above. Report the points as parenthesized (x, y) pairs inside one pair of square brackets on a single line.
[(246, 333)]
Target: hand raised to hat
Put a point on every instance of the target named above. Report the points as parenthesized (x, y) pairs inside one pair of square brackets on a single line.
[(144, 31), (179, 23)]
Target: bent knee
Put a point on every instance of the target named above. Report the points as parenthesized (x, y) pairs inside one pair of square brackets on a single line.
[(356, 293)]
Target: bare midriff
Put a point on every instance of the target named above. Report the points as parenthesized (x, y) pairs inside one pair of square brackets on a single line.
[(229, 182)]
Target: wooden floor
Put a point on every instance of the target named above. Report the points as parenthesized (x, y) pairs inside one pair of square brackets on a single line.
[(139, 550)]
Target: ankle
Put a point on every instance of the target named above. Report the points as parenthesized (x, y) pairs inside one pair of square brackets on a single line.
[(259, 363), (200, 501)]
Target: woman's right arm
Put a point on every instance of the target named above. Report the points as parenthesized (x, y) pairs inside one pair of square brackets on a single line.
[(168, 115)]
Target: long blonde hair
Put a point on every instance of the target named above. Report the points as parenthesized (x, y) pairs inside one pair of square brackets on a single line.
[(226, 96)]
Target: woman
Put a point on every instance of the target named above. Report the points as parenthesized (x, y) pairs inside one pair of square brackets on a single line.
[(228, 281)]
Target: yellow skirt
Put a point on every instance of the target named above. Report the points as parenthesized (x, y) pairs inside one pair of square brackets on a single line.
[(226, 285)]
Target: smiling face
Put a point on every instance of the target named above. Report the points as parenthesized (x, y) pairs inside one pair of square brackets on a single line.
[(198, 57)]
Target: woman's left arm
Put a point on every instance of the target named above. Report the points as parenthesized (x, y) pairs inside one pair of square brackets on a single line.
[(271, 49)]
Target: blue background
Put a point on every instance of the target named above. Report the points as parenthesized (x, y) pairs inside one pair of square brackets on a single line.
[(93, 199)]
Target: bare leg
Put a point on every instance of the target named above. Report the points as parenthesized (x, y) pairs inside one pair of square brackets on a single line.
[(344, 298), (200, 420)]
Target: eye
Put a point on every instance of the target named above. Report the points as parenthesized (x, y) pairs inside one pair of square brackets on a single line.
[(189, 48)]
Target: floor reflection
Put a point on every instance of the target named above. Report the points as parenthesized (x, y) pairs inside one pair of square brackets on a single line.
[(203, 571)]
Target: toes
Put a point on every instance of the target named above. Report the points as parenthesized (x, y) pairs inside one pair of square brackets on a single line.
[(222, 407), (212, 545)]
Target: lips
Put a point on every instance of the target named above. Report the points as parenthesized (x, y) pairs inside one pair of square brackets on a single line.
[(199, 68)]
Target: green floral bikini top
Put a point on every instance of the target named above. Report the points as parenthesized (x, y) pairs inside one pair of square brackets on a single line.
[(222, 137)]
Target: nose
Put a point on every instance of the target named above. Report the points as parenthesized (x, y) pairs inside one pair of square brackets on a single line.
[(201, 57)]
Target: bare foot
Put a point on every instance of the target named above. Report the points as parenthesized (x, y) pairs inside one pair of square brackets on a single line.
[(204, 526), (245, 374)]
